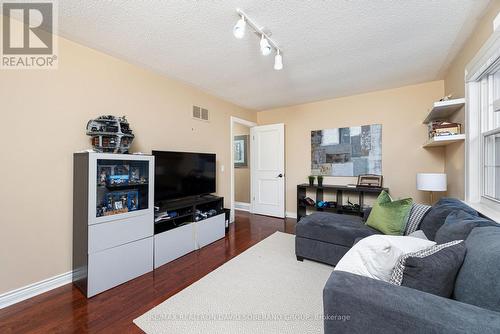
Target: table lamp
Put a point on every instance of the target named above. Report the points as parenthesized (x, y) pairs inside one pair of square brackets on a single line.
[(431, 182)]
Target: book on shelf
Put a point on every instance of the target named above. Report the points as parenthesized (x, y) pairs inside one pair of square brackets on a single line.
[(441, 128)]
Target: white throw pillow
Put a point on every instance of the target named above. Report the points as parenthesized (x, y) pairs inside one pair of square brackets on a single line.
[(418, 234), (377, 255)]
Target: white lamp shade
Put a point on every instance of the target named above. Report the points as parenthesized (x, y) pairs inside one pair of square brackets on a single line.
[(431, 181)]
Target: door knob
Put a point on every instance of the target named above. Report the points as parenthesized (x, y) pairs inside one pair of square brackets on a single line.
[(280, 175)]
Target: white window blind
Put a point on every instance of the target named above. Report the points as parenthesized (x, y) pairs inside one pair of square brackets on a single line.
[(490, 136), (490, 132)]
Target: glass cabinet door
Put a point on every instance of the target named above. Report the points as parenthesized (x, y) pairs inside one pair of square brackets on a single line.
[(122, 186)]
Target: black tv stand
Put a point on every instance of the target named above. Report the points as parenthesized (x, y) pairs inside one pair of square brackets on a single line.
[(184, 211), (208, 196)]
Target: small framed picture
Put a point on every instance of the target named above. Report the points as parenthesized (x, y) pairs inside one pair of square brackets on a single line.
[(241, 151), (370, 180)]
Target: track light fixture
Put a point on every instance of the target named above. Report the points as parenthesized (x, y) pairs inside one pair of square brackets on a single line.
[(265, 47), (266, 43), (278, 61), (239, 28)]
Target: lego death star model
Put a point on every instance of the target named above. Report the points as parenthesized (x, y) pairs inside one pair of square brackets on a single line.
[(110, 134)]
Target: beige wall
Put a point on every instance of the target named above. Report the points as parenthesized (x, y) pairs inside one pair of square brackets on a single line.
[(44, 114), (400, 111), (454, 84), (242, 174)]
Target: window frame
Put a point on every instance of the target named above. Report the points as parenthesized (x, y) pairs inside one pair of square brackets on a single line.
[(484, 195), (486, 62)]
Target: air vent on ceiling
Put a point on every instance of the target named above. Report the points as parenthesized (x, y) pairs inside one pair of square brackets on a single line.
[(200, 113)]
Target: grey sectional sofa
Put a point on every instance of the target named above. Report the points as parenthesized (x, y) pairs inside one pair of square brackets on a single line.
[(326, 237), (357, 304)]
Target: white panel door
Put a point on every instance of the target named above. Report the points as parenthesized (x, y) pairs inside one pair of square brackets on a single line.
[(268, 169)]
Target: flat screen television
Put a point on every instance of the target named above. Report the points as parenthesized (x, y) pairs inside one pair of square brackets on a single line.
[(183, 174)]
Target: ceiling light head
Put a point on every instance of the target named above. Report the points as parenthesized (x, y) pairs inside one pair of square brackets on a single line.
[(278, 61), (265, 47), (239, 28)]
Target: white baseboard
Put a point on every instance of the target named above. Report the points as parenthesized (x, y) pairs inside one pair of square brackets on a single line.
[(32, 290), (242, 206), (291, 215)]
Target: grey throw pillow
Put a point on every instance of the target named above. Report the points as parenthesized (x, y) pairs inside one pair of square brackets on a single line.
[(458, 226), (436, 216), (432, 270)]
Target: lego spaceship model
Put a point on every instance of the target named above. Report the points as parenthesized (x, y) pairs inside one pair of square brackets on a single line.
[(110, 134)]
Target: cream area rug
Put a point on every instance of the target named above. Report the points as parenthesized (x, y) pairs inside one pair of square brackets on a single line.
[(262, 290)]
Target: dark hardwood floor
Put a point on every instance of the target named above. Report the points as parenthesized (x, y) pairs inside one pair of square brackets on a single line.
[(66, 310)]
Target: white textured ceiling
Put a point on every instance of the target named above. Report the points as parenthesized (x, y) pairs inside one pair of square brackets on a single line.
[(330, 48)]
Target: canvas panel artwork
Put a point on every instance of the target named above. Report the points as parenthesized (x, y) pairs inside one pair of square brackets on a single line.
[(347, 151)]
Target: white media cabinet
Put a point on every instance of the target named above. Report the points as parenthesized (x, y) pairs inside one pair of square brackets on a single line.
[(114, 244), (182, 234), (115, 237)]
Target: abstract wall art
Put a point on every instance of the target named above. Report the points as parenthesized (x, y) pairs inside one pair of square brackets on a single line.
[(347, 151)]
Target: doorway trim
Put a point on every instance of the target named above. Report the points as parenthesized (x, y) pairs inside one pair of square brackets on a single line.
[(250, 124)]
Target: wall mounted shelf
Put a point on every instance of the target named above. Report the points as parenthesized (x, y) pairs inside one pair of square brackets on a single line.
[(441, 110), (444, 140)]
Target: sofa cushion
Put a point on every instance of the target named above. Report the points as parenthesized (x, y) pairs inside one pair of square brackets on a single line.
[(376, 256), (417, 214), (388, 216), (333, 228), (458, 225), (432, 270), (478, 280), (436, 216)]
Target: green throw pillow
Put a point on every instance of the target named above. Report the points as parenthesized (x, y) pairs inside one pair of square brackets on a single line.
[(388, 216)]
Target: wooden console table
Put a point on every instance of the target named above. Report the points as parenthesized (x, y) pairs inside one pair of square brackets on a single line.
[(339, 190)]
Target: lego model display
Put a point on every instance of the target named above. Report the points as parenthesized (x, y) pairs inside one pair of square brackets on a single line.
[(116, 175), (119, 202), (110, 134), (121, 186)]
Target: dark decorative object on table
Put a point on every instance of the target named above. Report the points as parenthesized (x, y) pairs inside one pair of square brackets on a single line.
[(110, 134), (351, 207), (320, 180), (311, 179), (309, 201), (326, 204), (370, 180)]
